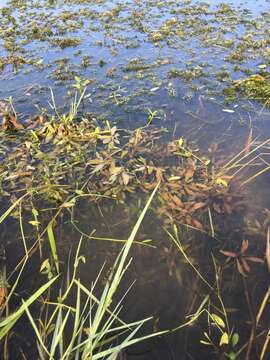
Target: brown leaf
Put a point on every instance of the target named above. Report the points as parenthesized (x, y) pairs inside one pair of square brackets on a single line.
[(248, 142), (197, 206), (245, 265), (3, 294), (10, 122), (213, 147), (227, 208), (197, 224), (229, 253), (240, 268), (159, 175), (189, 172), (177, 200), (254, 259), (244, 246)]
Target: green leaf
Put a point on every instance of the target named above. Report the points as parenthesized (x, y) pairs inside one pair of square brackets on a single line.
[(9, 322), (53, 245), (235, 339), (232, 355), (35, 212)]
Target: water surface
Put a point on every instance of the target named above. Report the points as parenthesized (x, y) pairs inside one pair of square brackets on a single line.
[(175, 58)]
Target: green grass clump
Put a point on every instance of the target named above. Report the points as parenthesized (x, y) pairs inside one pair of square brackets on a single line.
[(84, 327)]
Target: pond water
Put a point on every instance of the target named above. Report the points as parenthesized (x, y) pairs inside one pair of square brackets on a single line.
[(174, 60)]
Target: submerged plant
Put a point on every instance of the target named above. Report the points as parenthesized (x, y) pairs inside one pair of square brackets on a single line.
[(86, 327), (242, 260)]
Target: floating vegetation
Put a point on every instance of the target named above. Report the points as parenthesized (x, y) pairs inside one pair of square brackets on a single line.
[(74, 176), (15, 60), (61, 154), (65, 42), (193, 30), (137, 64), (188, 74), (255, 87)]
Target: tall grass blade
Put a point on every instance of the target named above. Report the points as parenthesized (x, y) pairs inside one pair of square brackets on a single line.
[(7, 324), (53, 245)]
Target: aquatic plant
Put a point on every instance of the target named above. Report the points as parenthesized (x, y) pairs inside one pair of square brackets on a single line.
[(89, 328)]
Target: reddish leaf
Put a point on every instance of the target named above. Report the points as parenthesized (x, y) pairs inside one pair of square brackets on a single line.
[(254, 259), (244, 246), (197, 206), (177, 200), (3, 293), (197, 224), (267, 252), (248, 142), (229, 254), (10, 122), (240, 268), (245, 265), (189, 172)]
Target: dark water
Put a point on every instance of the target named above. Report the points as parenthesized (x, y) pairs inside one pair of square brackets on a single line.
[(165, 286)]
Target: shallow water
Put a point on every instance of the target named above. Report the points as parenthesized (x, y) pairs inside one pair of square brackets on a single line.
[(192, 107)]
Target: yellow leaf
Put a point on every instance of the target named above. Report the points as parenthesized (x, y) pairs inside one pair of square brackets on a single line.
[(220, 181), (224, 340), (180, 142), (125, 178), (205, 342), (218, 320), (174, 178)]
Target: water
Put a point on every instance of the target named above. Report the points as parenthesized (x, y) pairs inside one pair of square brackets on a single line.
[(123, 90)]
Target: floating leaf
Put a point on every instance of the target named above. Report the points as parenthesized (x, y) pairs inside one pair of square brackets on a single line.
[(197, 206), (174, 178), (181, 142), (10, 122), (177, 201), (189, 172)]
